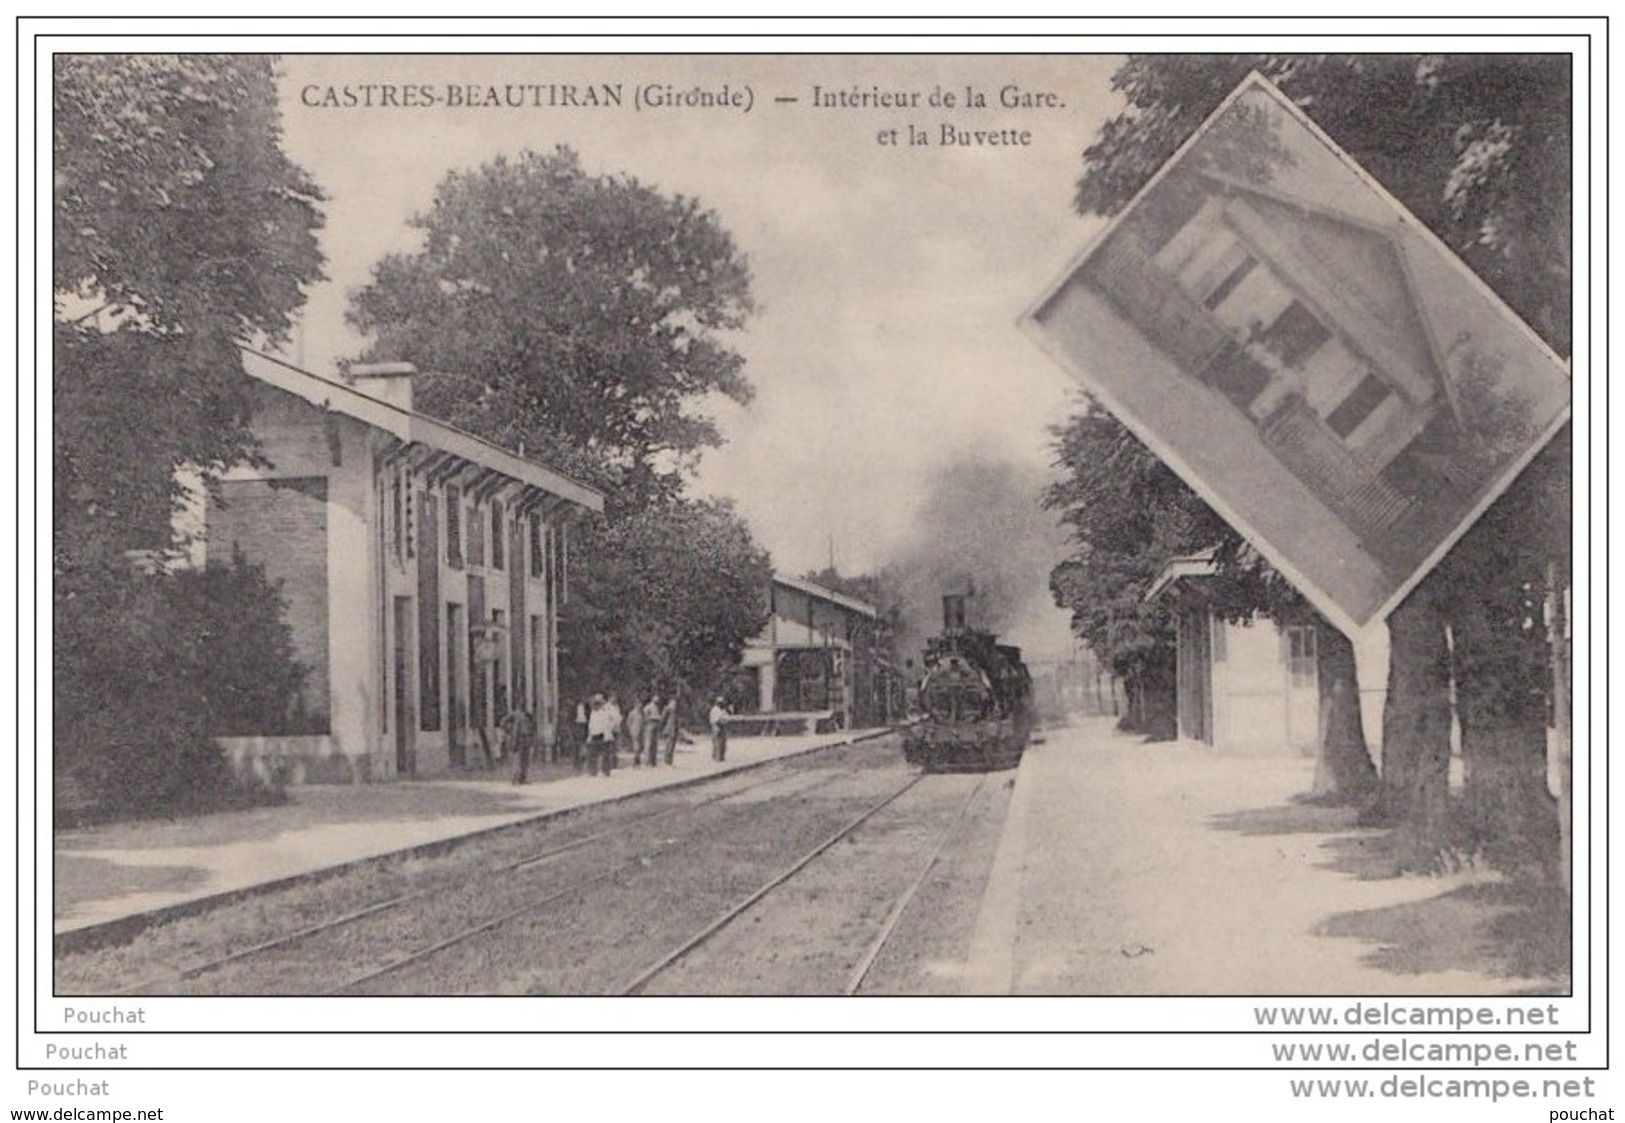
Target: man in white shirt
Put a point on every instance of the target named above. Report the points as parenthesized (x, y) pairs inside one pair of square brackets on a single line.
[(603, 724)]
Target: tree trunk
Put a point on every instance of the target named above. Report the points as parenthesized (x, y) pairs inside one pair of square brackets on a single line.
[(1159, 705), (1343, 769), (1559, 635), (1415, 790), (1501, 687)]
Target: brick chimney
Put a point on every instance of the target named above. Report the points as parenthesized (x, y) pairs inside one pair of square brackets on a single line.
[(388, 382)]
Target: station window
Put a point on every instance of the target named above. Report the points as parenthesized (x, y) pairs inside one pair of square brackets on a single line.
[(499, 671), (1245, 264), (1359, 405), (498, 539), (1295, 335), (397, 513), (409, 531), (454, 527), (1301, 652), (476, 536)]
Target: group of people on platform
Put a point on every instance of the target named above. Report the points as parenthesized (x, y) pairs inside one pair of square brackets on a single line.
[(601, 728)]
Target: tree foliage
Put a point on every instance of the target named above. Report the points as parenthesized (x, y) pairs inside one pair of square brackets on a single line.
[(180, 231), (583, 319), (1476, 146), (665, 598), (1129, 515), (163, 665), (579, 316)]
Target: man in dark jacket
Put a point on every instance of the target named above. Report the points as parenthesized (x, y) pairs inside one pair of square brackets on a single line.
[(518, 737)]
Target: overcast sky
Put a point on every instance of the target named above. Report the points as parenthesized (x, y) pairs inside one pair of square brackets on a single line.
[(890, 276)]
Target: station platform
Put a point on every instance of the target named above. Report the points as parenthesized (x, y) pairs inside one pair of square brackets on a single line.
[(120, 871), (1128, 867)]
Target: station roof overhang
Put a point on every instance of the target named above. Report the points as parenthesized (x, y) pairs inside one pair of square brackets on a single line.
[(1179, 569), (434, 447), (830, 596)]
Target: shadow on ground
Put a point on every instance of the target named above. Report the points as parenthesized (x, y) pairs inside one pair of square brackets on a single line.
[(1290, 818), (471, 793), (1501, 928), (80, 879), (1363, 853)]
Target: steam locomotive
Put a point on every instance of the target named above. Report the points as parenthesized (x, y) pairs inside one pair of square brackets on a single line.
[(975, 700)]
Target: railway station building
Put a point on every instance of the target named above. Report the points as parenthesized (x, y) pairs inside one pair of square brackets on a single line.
[(422, 570), (817, 664)]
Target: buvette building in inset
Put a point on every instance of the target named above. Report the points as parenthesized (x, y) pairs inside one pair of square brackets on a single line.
[(1306, 355), (422, 570)]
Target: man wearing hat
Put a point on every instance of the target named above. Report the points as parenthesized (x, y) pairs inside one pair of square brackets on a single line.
[(602, 723), (719, 729)]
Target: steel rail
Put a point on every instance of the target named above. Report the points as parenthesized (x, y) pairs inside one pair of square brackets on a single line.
[(861, 971), (421, 954), (203, 967), (465, 934), (721, 922)]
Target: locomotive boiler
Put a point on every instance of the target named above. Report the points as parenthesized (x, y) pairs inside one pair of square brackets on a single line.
[(974, 700)]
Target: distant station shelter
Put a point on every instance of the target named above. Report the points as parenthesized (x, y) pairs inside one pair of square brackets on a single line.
[(422, 569), (815, 665), (1249, 688)]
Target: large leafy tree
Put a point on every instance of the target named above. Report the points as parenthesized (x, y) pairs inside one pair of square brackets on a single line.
[(1478, 147), (584, 319), (180, 231), (581, 316), (665, 600)]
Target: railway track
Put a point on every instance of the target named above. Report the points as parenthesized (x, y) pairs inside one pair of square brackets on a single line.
[(629, 909), (860, 971), (631, 903), (175, 978), (674, 957), (899, 898), (551, 896)]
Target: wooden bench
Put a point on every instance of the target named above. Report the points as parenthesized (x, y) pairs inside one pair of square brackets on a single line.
[(782, 724)]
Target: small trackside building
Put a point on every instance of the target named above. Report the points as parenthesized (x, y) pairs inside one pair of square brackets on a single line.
[(422, 570), (1243, 688), (817, 663)]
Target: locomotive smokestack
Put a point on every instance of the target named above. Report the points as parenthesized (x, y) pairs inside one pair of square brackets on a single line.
[(953, 612)]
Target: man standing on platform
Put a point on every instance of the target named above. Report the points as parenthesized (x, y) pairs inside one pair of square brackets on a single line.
[(650, 743), (602, 723), (634, 728), (719, 729), (668, 726), (579, 734), (518, 738)]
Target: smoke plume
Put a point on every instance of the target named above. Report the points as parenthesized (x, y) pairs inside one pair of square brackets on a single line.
[(980, 530)]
